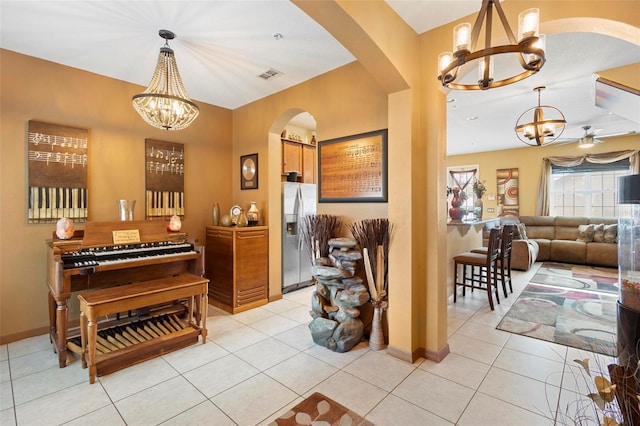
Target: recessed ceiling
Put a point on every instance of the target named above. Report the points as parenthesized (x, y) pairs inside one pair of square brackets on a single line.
[(223, 46)]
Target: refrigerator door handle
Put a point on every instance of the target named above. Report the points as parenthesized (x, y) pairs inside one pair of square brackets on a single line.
[(300, 217)]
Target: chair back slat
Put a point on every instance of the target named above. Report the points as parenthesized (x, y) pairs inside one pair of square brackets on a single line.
[(494, 246), (507, 240)]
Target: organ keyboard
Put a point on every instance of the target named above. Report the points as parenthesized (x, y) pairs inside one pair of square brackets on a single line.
[(95, 262)]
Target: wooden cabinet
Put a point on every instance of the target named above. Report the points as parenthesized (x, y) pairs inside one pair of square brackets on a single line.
[(299, 157), (308, 164), (237, 266), (291, 157)]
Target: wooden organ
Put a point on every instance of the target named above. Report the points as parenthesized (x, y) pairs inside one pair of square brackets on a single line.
[(153, 270)]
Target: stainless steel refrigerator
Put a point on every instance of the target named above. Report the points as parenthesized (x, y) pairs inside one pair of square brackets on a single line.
[(298, 200)]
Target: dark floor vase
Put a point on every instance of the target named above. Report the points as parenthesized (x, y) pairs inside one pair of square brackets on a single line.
[(628, 337)]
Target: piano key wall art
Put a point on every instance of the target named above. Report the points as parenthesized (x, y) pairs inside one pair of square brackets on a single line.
[(164, 174), (57, 167)]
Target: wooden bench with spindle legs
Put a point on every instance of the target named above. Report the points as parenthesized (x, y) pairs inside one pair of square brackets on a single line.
[(139, 346)]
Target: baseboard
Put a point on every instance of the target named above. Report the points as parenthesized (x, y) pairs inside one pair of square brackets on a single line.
[(436, 356), (274, 297), (412, 357), (10, 338)]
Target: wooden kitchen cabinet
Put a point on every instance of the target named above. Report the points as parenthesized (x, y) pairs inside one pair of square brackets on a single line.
[(291, 157), (299, 157), (308, 164), (237, 266)]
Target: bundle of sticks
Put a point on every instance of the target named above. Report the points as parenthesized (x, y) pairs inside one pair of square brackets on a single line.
[(317, 230), (374, 238)]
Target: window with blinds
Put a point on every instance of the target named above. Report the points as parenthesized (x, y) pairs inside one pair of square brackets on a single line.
[(586, 190)]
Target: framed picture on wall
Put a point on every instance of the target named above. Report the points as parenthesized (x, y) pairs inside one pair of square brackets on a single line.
[(353, 169), (249, 171)]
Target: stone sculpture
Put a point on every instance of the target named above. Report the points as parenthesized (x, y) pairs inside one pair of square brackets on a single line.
[(339, 293)]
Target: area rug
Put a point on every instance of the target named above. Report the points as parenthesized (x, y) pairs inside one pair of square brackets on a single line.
[(571, 305), (319, 409), (578, 277)]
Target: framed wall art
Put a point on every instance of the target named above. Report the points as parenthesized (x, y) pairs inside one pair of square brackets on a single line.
[(57, 167), (508, 192), (353, 169), (164, 175), (249, 171)]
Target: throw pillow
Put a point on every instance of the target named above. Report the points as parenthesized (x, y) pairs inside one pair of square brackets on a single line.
[(585, 233), (611, 233), (520, 232), (598, 233)]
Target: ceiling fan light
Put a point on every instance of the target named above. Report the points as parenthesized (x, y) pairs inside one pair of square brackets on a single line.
[(585, 143)]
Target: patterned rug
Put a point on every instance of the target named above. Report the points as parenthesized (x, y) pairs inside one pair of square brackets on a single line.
[(572, 305), (321, 410)]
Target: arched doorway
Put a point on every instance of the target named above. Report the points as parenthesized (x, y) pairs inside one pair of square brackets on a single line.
[(292, 129)]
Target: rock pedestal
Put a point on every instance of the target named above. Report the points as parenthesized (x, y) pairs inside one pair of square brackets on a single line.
[(339, 293)]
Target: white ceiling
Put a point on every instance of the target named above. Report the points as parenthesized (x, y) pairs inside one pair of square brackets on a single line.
[(223, 45)]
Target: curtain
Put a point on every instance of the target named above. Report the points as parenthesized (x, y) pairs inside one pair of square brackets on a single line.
[(542, 203)]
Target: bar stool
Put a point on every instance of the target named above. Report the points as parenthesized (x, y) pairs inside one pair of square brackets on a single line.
[(487, 277), (504, 256)]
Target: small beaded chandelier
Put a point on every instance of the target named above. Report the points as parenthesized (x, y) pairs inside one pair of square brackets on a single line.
[(165, 103)]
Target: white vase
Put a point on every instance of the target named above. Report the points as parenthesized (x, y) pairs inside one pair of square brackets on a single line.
[(376, 339), (253, 214)]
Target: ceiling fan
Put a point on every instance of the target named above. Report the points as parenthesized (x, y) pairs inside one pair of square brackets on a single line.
[(589, 138)]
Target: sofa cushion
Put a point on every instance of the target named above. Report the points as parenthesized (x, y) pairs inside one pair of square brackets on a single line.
[(567, 227), (539, 227), (598, 233), (544, 248), (585, 233), (568, 251), (610, 233), (524, 254), (520, 232), (602, 254)]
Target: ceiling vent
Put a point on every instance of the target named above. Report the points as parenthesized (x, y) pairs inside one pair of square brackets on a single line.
[(270, 73)]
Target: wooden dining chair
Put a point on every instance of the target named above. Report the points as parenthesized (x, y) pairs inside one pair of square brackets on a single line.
[(504, 257), (479, 271)]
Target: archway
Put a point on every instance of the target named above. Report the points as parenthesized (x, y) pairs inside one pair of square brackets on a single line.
[(275, 178)]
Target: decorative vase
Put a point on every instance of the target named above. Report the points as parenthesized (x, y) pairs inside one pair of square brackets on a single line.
[(242, 220), (253, 214), (455, 212), (126, 209), (376, 339), (478, 207), (216, 214)]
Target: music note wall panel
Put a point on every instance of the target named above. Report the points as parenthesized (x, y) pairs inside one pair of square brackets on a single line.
[(57, 167), (164, 174)]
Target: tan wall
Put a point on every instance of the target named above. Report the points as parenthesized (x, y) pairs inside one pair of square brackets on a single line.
[(528, 161), (344, 102), (33, 89)]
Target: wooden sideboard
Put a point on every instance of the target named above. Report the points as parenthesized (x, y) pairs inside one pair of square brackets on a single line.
[(237, 266)]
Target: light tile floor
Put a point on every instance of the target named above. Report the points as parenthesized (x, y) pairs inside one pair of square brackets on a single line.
[(257, 364)]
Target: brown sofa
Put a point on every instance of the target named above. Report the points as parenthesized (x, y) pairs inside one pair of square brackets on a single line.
[(564, 239)]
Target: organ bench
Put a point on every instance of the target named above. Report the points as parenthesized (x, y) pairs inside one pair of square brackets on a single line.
[(140, 343)]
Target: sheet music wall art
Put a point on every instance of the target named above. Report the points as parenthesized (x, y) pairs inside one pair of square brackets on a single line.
[(57, 167), (164, 173)]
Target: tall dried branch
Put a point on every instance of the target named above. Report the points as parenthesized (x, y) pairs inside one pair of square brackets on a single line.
[(371, 233), (316, 231)]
